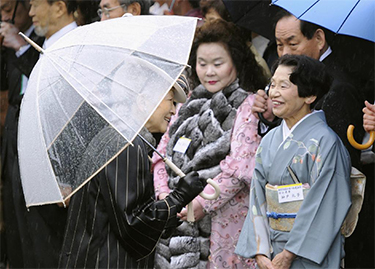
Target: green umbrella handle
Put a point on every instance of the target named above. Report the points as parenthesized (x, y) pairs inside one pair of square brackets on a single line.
[(190, 214)]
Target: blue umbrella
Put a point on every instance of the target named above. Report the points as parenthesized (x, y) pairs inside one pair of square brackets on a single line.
[(347, 17)]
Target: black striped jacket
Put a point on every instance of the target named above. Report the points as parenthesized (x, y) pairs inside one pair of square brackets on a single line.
[(114, 221)]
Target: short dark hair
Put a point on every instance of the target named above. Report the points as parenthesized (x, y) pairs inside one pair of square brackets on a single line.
[(23, 2), (71, 5), (310, 75), (250, 74), (216, 5), (145, 5), (194, 3)]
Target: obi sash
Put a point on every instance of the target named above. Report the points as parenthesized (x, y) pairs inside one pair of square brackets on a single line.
[(282, 215)]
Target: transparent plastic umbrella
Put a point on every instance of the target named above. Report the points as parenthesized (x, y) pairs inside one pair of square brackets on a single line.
[(112, 73)]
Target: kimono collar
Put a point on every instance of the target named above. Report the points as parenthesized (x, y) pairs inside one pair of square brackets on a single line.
[(287, 131)]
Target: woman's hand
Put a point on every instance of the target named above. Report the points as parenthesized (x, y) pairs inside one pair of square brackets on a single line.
[(263, 262), (283, 260), (263, 104), (198, 212)]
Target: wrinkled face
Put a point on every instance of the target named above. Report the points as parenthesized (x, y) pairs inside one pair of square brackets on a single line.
[(215, 68), (41, 13), (116, 10), (285, 100), (160, 119), (22, 20), (290, 40)]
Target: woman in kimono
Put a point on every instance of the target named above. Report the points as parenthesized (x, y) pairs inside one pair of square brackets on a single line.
[(221, 135), (303, 147)]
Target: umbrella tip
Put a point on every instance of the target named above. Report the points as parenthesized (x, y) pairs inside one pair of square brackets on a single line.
[(32, 43)]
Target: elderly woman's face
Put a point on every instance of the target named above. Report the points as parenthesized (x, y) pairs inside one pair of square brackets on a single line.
[(160, 119), (215, 68), (284, 95)]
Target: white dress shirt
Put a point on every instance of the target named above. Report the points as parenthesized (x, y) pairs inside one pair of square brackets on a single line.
[(56, 36)]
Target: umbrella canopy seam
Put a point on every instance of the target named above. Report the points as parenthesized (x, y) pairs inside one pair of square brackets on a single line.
[(347, 16)]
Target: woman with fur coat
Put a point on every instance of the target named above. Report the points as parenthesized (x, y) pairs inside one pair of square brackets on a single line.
[(214, 133)]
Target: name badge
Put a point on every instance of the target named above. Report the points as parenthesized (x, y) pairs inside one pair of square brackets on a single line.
[(182, 145), (290, 193)]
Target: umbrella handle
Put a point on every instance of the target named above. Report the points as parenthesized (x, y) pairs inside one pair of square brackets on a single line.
[(354, 143), (190, 214)]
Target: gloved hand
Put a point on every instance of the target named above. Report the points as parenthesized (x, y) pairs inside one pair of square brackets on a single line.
[(187, 189)]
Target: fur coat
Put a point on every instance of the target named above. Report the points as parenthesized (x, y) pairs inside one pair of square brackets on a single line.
[(219, 125), (207, 119)]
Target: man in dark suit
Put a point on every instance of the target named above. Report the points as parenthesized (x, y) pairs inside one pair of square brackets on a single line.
[(33, 236), (342, 104), (17, 61)]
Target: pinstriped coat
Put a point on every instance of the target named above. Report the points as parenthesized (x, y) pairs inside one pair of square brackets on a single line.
[(114, 221)]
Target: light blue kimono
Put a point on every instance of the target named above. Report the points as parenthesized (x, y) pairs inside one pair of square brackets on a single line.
[(317, 156)]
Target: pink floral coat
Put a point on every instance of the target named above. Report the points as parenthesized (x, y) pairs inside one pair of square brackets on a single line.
[(228, 212)]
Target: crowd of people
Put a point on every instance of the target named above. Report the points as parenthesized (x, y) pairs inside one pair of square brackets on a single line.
[(260, 117)]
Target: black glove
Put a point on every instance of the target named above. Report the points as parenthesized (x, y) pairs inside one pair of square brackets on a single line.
[(188, 187)]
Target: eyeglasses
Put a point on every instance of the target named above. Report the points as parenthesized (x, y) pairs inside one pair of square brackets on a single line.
[(106, 11)]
